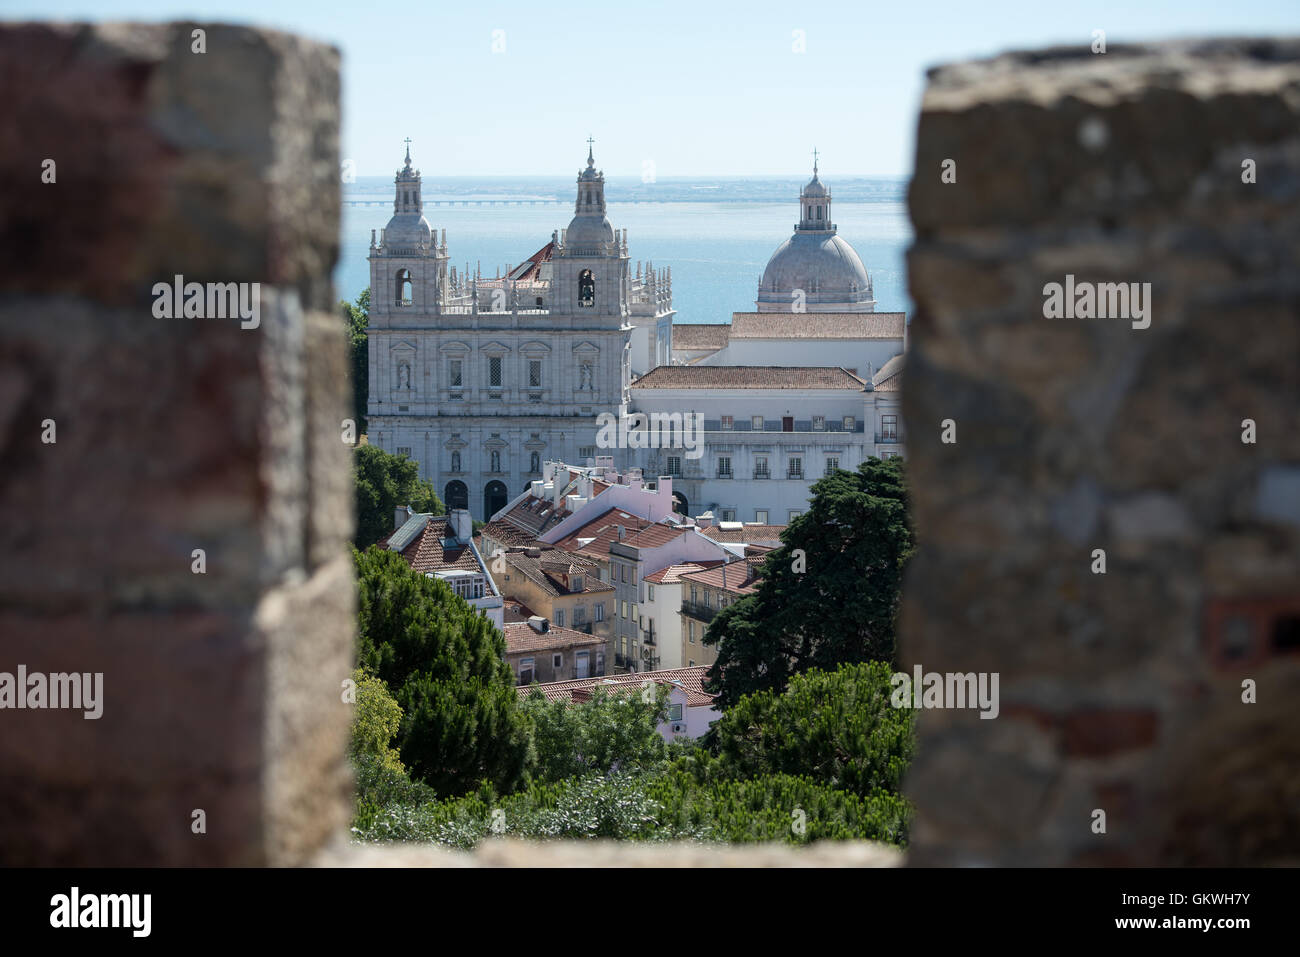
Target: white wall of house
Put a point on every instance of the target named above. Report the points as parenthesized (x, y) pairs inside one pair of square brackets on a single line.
[(857, 355), (665, 609)]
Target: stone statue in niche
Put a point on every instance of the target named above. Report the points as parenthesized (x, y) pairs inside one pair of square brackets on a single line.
[(585, 375), (403, 376)]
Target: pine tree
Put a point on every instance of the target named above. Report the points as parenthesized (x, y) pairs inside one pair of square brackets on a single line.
[(829, 594)]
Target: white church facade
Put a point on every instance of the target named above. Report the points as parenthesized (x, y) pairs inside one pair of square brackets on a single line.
[(481, 381), (806, 383)]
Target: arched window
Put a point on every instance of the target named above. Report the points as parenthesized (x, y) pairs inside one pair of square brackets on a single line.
[(405, 288), (494, 499), (586, 289), (455, 495), (455, 461)]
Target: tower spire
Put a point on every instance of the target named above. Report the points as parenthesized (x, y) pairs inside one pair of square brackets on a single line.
[(408, 150), (590, 159), (814, 161)]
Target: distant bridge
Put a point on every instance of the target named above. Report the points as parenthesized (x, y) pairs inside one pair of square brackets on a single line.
[(458, 202)]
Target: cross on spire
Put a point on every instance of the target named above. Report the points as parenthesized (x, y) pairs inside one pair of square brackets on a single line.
[(814, 161), (590, 159), (407, 141)]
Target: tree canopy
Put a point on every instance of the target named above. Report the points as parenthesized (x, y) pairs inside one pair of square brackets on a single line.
[(383, 483), (828, 595), (356, 316), (445, 663)]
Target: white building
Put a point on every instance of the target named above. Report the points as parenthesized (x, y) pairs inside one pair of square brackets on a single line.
[(480, 381), (769, 432)]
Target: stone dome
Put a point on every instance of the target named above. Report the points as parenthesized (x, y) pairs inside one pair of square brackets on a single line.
[(823, 265), (407, 230)]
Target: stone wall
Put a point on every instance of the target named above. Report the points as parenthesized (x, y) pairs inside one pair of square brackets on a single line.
[(1120, 691), (221, 688)]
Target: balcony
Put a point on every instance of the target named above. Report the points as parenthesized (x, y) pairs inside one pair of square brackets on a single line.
[(762, 474), (794, 473), (724, 473), (886, 437), (699, 612)]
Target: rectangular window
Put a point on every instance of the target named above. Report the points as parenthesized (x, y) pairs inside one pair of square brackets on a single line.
[(534, 373), (850, 423), (690, 631), (795, 470), (694, 595), (675, 712), (819, 423), (760, 467), (494, 372), (652, 592), (625, 609), (708, 598), (760, 516), (526, 671), (557, 661), (728, 423), (587, 452), (599, 609), (832, 463), (404, 450), (455, 373), (559, 617), (622, 570), (889, 426), (692, 663), (674, 465), (724, 466), (728, 515), (756, 423), (794, 513)]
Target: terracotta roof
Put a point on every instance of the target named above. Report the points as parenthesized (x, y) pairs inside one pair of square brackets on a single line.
[(750, 377), (741, 577), (532, 516), (522, 637), (750, 533), (655, 535), (890, 376), (531, 268), (698, 335), (690, 680), (817, 325), (602, 530), (550, 580), (433, 550), (673, 573), (515, 610), (507, 533)]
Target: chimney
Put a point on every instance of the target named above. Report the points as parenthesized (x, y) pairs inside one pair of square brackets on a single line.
[(533, 552), (705, 520), (576, 502), (535, 488), (460, 524), (539, 624), (400, 515)]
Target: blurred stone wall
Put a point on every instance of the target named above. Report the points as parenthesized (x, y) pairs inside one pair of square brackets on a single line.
[(1120, 691), (221, 689)]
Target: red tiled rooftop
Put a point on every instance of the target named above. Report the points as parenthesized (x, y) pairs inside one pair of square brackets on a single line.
[(522, 637), (690, 680)]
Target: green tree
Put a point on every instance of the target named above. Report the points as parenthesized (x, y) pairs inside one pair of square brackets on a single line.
[(375, 723), (445, 663), (828, 595), (607, 732), (383, 482), (836, 727), (356, 317)]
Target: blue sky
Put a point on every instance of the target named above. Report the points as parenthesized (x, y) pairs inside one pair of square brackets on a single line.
[(696, 88)]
